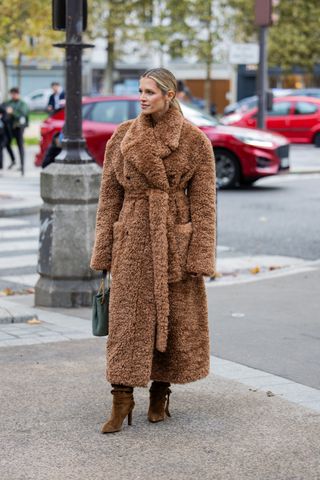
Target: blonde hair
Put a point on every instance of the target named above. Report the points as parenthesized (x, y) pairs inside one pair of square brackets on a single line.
[(166, 81)]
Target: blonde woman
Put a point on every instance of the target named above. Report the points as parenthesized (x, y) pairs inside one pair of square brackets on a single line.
[(155, 231)]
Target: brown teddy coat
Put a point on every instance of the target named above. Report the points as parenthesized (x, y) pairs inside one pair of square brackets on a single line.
[(155, 225)]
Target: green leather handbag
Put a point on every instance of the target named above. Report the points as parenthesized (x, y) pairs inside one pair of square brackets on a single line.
[(100, 308)]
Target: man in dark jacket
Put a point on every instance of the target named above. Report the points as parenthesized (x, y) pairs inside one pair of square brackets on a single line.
[(55, 98), (18, 119)]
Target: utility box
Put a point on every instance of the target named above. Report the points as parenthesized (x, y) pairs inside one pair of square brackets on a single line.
[(263, 13)]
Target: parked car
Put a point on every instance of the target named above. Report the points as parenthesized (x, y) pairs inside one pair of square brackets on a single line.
[(38, 99), (248, 103), (242, 155), (298, 118), (304, 92)]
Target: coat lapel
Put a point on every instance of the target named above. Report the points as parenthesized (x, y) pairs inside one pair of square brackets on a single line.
[(146, 146)]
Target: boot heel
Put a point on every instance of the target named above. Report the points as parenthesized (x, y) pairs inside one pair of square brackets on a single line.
[(130, 418)]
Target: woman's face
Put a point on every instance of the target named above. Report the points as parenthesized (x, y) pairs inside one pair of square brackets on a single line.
[(152, 99)]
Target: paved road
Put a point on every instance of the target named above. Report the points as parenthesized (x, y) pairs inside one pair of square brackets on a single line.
[(277, 216)]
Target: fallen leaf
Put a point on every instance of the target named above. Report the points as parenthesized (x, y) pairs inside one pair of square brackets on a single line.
[(30, 290), (7, 291), (34, 321), (255, 270), (274, 267)]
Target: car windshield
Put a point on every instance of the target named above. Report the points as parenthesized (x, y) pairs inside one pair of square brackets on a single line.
[(198, 117)]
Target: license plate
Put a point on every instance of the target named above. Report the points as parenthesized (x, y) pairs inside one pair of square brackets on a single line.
[(284, 162)]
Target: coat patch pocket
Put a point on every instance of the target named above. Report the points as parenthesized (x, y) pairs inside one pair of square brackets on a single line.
[(183, 234)]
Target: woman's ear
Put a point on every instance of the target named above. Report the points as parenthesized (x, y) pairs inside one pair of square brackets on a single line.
[(170, 95)]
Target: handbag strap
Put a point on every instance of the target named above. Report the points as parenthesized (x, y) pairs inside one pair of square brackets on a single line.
[(105, 275)]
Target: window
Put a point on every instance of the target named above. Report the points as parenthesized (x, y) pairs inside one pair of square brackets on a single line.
[(280, 108), (109, 112), (305, 108)]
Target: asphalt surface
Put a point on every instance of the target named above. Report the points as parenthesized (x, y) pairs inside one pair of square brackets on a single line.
[(54, 401), (277, 216)]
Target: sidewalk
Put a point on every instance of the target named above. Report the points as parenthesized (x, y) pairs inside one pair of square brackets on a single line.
[(236, 424)]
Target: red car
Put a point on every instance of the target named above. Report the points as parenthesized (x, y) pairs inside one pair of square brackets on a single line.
[(298, 118), (242, 155)]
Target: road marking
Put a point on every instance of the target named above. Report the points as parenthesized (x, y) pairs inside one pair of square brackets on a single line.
[(267, 382), (12, 222), (19, 261), (29, 279), (22, 233), (17, 246)]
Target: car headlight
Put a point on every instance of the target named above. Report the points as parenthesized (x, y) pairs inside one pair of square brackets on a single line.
[(255, 142)]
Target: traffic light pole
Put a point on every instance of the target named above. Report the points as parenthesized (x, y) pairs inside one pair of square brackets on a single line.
[(70, 191), (262, 76)]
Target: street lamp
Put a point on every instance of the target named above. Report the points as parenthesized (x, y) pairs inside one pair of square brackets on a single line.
[(69, 189)]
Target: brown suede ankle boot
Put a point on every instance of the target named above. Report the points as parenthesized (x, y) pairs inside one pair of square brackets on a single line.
[(122, 406), (159, 401)]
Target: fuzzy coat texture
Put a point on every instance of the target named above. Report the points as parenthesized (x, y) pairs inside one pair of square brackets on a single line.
[(155, 225)]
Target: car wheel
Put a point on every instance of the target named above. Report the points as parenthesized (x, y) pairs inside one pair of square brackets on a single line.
[(316, 139), (227, 168)]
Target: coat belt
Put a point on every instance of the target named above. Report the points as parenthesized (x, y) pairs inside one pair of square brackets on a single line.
[(162, 240)]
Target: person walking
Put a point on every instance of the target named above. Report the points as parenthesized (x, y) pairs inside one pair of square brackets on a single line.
[(18, 117), (55, 98), (3, 132), (155, 232)]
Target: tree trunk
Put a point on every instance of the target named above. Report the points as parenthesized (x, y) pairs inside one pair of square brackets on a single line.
[(19, 73), (3, 79), (108, 73), (207, 87)]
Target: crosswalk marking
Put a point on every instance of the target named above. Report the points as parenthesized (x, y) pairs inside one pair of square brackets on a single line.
[(19, 261), (22, 233), (12, 222), (30, 279), (18, 246)]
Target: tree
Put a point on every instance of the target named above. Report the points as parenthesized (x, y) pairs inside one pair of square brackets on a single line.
[(25, 29), (293, 41)]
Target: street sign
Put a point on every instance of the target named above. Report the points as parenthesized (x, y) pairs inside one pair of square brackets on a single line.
[(244, 53)]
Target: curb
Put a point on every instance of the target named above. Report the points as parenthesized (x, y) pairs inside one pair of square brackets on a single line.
[(12, 314), (304, 172)]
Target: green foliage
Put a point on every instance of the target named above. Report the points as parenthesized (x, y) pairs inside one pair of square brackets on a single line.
[(25, 27), (294, 40)]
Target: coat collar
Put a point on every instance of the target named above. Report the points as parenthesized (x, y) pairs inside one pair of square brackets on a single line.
[(145, 145)]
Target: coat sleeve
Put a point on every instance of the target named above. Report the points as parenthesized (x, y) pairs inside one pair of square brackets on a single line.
[(109, 206), (202, 196)]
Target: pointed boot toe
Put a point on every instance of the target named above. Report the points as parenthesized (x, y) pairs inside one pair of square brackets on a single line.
[(122, 406)]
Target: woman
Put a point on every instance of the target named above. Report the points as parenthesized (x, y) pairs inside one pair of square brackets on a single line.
[(155, 231)]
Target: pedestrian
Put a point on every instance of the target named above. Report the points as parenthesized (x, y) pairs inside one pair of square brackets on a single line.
[(155, 232), (53, 150), (55, 98), (18, 119), (3, 135)]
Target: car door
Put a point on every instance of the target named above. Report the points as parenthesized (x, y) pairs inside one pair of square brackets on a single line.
[(303, 118), (278, 120), (101, 120)]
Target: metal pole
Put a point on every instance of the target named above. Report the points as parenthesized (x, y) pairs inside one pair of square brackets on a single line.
[(73, 144), (262, 76)]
